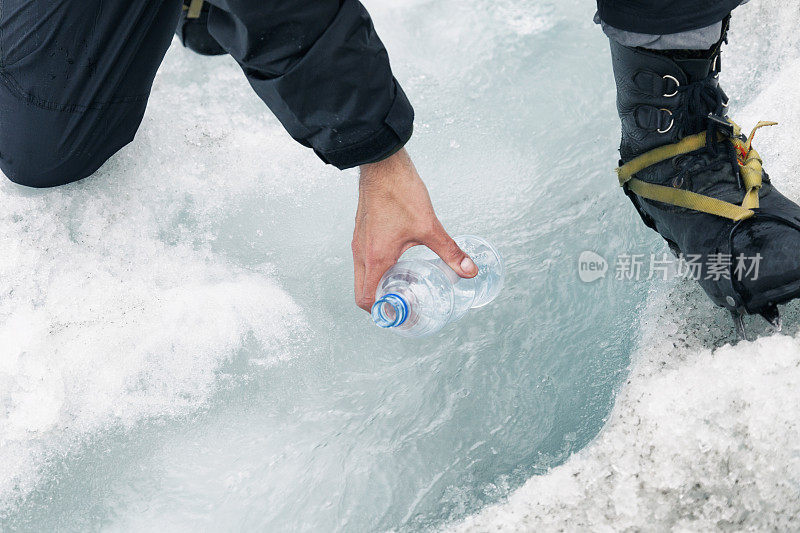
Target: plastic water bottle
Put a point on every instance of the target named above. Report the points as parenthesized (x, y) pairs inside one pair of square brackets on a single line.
[(417, 297)]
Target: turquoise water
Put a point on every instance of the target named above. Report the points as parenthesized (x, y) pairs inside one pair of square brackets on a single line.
[(225, 380)]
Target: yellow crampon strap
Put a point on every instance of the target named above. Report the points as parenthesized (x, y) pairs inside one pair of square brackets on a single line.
[(689, 200), (749, 166), (657, 155), (194, 9)]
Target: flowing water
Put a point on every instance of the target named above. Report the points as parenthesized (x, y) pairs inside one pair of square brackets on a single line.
[(180, 347)]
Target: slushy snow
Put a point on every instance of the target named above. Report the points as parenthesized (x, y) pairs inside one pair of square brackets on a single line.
[(109, 312)]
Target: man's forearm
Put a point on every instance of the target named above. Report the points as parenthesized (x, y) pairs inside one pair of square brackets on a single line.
[(321, 68)]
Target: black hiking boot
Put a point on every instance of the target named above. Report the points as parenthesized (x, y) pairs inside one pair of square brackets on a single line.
[(697, 181), (192, 29)]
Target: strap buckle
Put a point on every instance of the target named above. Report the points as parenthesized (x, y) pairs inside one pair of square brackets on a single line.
[(723, 123)]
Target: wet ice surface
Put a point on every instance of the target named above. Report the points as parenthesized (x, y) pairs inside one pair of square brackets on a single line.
[(180, 348)]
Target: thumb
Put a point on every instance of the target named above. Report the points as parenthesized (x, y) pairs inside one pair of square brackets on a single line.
[(446, 248)]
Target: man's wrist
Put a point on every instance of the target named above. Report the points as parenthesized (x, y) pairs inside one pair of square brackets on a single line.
[(391, 168)]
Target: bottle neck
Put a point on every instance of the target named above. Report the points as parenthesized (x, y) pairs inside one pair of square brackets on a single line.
[(390, 311)]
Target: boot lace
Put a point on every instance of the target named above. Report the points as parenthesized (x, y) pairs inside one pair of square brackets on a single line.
[(703, 107)]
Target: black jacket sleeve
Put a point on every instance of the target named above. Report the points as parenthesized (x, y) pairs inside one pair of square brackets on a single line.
[(323, 71)]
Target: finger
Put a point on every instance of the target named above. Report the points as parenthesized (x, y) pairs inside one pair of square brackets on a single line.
[(374, 269), (446, 248), (359, 283), (358, 273)]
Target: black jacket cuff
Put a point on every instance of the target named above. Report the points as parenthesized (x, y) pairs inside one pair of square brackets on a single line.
[(393, 134)]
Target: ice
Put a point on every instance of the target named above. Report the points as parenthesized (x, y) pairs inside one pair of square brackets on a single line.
[(699, 440), (180, 349)]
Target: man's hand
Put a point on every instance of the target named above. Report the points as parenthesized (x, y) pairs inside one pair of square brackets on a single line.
[(395, 213)]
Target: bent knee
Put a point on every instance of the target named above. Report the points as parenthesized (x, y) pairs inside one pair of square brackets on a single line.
[(51, 148), (40, 168)]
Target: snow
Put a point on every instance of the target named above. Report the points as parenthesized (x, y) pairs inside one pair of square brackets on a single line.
[(110, 310)]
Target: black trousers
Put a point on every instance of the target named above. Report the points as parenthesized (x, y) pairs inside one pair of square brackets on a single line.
[(75, 77), (659, 17)]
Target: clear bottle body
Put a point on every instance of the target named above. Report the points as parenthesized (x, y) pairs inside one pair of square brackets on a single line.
[(419, 296)]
